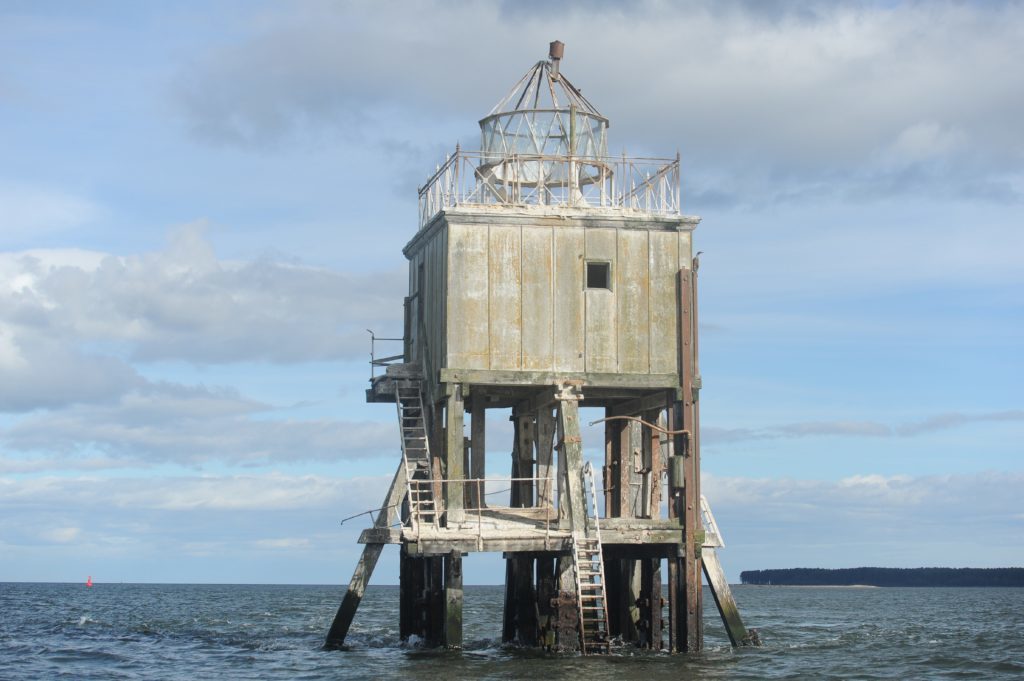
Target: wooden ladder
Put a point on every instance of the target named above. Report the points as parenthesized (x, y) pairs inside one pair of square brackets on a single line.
[(588, 564), (416, 454)]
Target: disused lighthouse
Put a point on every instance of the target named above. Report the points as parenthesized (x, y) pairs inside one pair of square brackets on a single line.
[(547, 276)]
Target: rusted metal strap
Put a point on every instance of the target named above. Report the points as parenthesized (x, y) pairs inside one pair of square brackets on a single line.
[(652, 426)]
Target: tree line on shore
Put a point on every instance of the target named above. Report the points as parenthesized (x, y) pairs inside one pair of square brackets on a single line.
[(874, 576)]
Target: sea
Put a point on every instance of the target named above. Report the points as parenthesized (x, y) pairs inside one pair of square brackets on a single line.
[(197, 632)]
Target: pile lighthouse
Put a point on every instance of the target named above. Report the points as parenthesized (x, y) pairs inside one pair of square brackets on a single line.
[(546, 276)]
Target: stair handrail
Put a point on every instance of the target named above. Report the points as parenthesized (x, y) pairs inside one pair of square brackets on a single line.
[(413, 510), (588, 475)]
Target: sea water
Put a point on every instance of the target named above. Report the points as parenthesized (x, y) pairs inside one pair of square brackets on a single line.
[(181, 631)]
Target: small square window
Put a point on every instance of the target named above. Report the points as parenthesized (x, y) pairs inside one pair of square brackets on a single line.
[(599, 275)]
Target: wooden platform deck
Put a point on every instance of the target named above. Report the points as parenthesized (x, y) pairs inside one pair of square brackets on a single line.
[(502, 529)]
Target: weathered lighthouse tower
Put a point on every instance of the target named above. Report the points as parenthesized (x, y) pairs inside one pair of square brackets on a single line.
[(546, 276)]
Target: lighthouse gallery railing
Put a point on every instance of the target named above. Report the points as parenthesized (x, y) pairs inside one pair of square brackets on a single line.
[(648, 186)]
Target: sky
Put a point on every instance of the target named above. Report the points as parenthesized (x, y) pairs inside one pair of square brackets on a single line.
[(203, 207)]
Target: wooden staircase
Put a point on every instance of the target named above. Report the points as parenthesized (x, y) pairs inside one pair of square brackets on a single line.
[(588, 564), (416, 455)]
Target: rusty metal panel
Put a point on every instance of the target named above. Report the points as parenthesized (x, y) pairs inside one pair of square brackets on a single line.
[(538, 265), (505, 297), (468, 346), (568, 301), (664, 263), (600, 309), (632, 300)]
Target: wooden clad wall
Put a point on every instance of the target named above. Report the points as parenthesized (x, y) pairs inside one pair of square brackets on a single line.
[(433, 257), (517, 298)]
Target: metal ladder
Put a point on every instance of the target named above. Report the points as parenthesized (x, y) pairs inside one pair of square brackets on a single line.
[(588, 564), (416, 455)]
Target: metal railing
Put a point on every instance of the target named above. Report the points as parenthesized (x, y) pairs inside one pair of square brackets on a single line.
[(647, 186), (480, 487), (382, 361)]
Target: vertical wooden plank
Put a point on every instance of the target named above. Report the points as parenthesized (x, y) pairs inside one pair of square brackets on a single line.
[(568, 322), (478, 449), (453, 600), (612, 467), (600, 310), (695, 383), (610, 471), (468, 339), (406, 595), (655, 623), (526, 608), (626, 492), (632, 298), (538, 304), (508, 621), (664, 263), (654, 462), (505, 297), (572, 451), (454, 435), (545, 456), (435, 610), (632, 478), (675, 608), (692, 630), (526, 432)]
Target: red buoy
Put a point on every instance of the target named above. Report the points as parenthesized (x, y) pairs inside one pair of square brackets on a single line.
[(88, 582)]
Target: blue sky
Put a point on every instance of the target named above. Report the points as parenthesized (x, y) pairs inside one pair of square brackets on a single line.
[(203, 205)]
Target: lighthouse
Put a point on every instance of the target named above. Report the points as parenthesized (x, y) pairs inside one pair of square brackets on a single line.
[(546, 275)]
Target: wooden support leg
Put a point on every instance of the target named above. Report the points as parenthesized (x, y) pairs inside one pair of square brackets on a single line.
[(650, 604), (408, 591), (719, 586), (545, 456), (631, 581), (567, 634), (453, 600), (520, 619), (435, 603), (674, 611), (454, 451), (478, 431), (547, 591), (367, 562), (615, 594), (526, 432), (508, 622), (526, 603)]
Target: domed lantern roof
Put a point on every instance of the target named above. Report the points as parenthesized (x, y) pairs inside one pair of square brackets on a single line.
[(543, 121)]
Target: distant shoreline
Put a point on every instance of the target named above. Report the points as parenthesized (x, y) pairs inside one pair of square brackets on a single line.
[(882, 577)]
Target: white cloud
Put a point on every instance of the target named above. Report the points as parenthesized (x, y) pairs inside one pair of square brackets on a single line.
[(70, 319), (930, 424), (267, 492), (164, 423), (780, 101)]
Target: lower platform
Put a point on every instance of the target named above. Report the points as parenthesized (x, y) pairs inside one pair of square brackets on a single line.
[(506, 529)]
